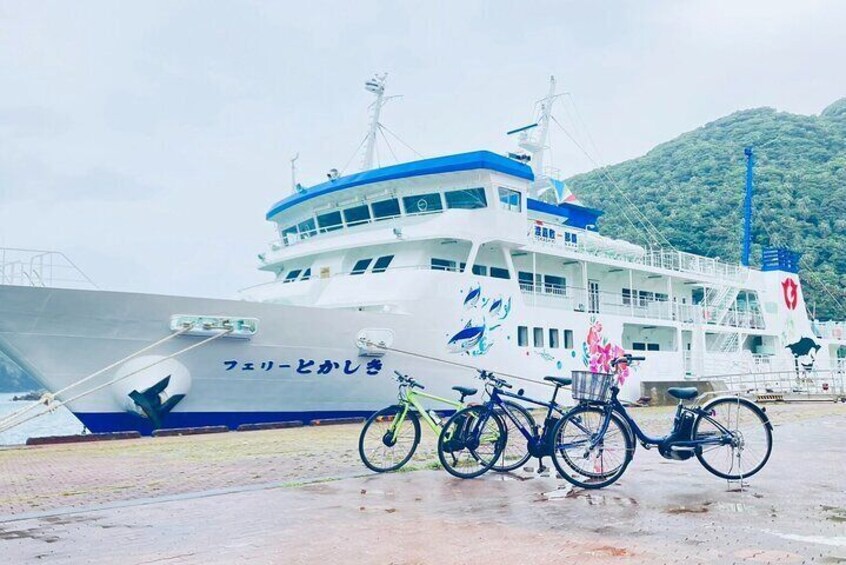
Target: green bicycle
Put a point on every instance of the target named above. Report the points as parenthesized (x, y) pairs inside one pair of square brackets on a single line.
[(391, 435)]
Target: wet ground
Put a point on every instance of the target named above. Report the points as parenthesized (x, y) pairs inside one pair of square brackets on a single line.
[(301, 496)]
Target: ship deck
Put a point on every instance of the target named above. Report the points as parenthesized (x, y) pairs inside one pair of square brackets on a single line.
[(301, 495)]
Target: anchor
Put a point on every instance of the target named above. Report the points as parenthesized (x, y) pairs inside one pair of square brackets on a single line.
[(150, 402)]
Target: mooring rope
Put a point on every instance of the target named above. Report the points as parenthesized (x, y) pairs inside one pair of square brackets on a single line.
[(49, 398), (453, 363)]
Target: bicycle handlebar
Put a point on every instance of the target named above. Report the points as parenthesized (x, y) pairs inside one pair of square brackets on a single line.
[(406, 380), (627, 358), (496, 381)]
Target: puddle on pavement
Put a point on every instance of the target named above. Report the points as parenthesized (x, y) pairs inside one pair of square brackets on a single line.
[(687, 509), (31, 533), (736, 507), (588, 498), (834, 513), (833, 541)]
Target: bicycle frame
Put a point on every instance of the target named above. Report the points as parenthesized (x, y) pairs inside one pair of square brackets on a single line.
[(648, 441), (409, 401), (495, 399)]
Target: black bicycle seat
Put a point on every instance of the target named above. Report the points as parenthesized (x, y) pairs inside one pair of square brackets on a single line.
[(683, 393), (465, 391), (559, 381)]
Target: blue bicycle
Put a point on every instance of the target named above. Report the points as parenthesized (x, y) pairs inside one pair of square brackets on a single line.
[(595, 441), (514, 421)]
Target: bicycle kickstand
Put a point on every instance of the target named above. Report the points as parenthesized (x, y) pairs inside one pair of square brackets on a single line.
[(541, 468)]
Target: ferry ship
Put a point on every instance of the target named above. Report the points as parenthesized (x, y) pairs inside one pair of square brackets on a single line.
[(431, 268)]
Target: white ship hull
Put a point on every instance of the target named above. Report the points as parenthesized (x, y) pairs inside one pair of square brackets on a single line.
[(61, 336)]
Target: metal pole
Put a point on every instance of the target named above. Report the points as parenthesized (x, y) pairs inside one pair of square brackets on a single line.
[(747, 206)]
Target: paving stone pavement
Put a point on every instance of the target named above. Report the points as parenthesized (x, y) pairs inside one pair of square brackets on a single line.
[(268, 497)]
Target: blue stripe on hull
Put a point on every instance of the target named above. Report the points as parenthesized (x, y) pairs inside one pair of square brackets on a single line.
[(104, 422)]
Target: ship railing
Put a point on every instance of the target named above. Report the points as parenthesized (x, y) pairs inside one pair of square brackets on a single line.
[(738, 318), (34, 267), (809, 385), (583, 300), (830, 330), (586, 242)]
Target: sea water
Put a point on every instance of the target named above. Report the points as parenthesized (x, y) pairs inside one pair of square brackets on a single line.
[(59, 422)]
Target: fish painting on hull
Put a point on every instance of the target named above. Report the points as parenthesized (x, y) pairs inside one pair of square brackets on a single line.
[(467, 339), (483, 320), (473, 297)]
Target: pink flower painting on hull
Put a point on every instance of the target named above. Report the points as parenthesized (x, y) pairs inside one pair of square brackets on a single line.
[(598, 352)]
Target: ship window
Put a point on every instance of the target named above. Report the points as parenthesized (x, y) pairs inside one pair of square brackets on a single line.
[(554, 285), (468, 199), (522, 336), (292, 275), (499, 273), (653, 347), (661, 297), (289, 235), (526, 282), (357, 215), (645, 297), (627, 297), (442, 265), (481, 270), (360, 266), (381, 264), (538, 336), (330, 221), (639, 346), (553, 338), (306, 274), (422, 203), (509, 199), (385, 209), (568, 339), (307, 228)]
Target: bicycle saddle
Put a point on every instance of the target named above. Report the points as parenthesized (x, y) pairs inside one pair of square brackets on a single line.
[(683, 393), (465, 391), (559, 381)]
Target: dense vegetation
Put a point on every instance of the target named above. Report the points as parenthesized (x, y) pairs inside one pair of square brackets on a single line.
[(692, 190)]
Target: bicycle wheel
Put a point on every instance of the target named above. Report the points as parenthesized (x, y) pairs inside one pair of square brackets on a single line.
[(516, 450), (471, 442), (585, 466), (385, 444), (748, 435)]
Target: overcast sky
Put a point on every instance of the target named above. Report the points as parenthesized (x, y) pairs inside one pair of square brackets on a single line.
[(147, 140)]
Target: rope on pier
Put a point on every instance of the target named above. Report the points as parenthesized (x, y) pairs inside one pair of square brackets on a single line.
[(49, 399)]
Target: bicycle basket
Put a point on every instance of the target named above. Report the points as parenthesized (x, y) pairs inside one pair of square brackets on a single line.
[(595, 387)]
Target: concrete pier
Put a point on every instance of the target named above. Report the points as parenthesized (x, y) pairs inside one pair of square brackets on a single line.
[(302, 496)]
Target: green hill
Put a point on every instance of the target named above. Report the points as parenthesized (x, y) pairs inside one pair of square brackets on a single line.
[(692, 189)]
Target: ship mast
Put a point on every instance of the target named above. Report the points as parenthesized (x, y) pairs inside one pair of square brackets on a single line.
[(536, 145), (376, 85), (294, 184), (534, 139)]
